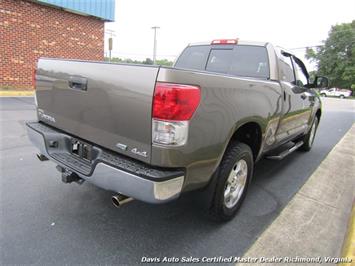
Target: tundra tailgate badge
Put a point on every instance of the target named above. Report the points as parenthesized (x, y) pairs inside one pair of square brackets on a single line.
[(42, 115)]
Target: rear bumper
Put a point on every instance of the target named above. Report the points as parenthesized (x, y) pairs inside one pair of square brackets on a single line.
[(109, 170)]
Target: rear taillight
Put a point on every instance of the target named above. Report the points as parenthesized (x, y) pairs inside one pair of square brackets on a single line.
[(173, 107), (175, 101)]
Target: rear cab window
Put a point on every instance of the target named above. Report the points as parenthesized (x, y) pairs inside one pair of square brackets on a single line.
[(235, 60), (194, 57)]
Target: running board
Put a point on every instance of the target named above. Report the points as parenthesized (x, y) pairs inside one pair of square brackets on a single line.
[(286, 152)]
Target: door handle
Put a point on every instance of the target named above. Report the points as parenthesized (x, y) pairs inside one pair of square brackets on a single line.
[(78, 83)]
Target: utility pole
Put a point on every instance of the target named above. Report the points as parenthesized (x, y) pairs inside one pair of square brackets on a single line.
[(110, 41), (155, 43)]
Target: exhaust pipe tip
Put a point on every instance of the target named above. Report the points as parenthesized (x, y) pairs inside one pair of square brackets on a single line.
[(119, 200), (115, 201)]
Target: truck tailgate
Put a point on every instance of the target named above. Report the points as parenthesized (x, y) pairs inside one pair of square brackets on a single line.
[(107, 104)]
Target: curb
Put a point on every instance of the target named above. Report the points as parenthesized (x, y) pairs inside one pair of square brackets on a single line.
[(348, 250), (318, 224), (16, 93)]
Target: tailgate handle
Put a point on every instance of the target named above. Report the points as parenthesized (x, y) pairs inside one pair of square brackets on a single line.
[(78, 83)]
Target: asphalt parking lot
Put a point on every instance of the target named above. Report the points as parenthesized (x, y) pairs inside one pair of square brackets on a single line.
[(44, 221)]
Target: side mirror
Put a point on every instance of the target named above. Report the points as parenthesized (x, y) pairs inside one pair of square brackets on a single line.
[(320, 82)]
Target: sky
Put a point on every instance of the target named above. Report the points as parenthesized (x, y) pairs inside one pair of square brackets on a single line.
[(289, 24)]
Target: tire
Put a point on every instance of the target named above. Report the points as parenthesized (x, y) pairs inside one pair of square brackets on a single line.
[(323, 95), (233, 175), (341, 96), (308, 139)]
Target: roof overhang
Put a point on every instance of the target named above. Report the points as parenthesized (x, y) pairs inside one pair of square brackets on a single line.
[(103, 9)]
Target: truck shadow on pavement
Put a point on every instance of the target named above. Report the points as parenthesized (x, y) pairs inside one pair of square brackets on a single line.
[(178, 229)]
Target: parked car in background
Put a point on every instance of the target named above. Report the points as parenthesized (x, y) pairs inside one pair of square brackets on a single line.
[(336, 92)]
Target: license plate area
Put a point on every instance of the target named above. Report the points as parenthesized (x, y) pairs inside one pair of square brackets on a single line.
[(81, 149)]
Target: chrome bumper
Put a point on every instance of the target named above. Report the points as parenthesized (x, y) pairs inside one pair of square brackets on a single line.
[(107, 177)]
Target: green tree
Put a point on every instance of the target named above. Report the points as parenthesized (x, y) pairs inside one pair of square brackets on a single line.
[(336, 58), (147, 61), (164, 62)]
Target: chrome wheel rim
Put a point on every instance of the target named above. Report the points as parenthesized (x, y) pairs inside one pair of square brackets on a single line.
[(235, 183), (313, 131)]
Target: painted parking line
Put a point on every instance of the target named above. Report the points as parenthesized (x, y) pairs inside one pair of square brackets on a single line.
[(349, 243)]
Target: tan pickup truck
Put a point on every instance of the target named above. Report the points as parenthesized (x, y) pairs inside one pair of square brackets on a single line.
[(152, 132)]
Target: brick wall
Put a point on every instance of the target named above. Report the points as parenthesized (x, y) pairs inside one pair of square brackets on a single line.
[(29, 31)]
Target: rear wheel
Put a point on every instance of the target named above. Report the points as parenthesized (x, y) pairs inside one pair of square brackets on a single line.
[(309, 137), (323, 95), (234, 174), (341, 96)]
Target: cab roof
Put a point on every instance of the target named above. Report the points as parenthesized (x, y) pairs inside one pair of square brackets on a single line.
[(241, 42)]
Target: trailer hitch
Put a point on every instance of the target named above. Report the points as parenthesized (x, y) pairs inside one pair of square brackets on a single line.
[(69, 176)]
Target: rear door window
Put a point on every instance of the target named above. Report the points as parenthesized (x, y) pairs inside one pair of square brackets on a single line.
[(286, 68), (194, 57)]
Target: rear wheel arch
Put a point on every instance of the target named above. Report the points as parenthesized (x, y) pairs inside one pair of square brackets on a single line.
[(249, 133), (238, 135)]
